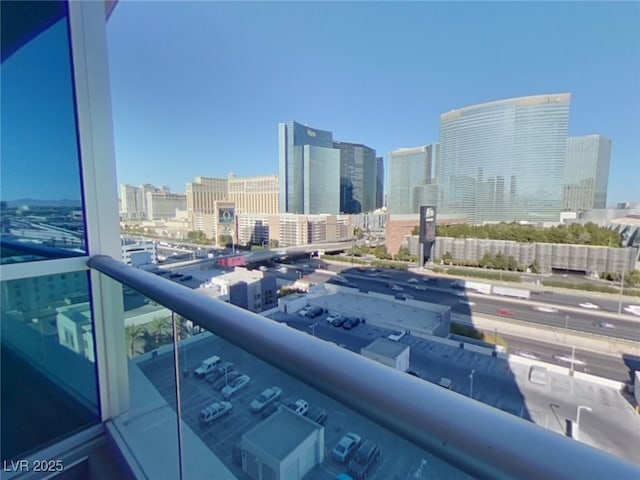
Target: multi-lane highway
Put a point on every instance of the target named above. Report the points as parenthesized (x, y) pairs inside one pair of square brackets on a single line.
[(546, 308)]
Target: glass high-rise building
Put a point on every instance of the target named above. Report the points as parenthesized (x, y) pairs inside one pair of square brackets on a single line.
[(411, 179), (586, 173), (505, 160), (319, 175), (300, 146), (358, 177), (379, 182)]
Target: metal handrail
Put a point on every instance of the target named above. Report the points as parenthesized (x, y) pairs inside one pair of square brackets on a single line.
[(478, 439)]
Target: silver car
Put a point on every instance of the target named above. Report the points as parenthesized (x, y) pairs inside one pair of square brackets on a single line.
[(267, 397), (347, 445), (234, 385)]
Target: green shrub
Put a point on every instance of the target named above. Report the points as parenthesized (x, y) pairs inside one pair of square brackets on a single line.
[(505, 277)]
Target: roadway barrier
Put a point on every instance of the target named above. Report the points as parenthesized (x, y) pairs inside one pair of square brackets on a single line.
[(554, 335), (606, 382)]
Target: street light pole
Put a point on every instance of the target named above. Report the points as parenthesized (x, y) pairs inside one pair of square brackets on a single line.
[(313, 328), (621, 289), (471, 383), (580, 408)]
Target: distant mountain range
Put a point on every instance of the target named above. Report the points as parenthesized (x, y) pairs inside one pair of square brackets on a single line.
[(64, 202)]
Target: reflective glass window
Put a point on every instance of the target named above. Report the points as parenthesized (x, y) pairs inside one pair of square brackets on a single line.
[(41, 199), (49, 381)]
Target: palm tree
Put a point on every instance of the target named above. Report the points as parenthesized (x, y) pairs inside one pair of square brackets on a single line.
[(134, 334)]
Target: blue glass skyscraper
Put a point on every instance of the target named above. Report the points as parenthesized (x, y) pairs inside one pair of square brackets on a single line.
[(505, 160), (299, 147)]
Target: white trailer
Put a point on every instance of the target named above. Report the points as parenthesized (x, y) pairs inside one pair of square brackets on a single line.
[(511, 292), (478, 287)]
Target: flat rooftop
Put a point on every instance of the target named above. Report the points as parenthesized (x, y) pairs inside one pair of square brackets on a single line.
[(281, 433), (385, 347), (381, 309)]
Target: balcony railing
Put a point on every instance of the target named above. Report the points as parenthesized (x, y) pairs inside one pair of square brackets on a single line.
[(480, 440)]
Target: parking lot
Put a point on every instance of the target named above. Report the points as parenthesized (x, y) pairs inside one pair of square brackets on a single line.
[(398, 460)]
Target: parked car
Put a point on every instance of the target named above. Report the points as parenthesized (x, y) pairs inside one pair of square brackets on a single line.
[(186, 277), (234, 385), (314, 312), (363, 461), (207, 366), (318, 415), (267, 397), (304, 311), (225, 379), (214, 411), (175, 275), (300, 406), (224, 367), (338, 322), (346, 447), (350, 323), (414, 373), (333, 317)]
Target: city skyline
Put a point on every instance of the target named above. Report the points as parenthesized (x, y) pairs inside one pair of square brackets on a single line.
[(217, 111)]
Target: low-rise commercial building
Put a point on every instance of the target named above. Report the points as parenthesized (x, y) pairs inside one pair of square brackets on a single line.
[(250, 289), (285, 446), (393, 354)]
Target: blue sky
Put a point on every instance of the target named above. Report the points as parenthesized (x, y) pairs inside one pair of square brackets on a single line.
[(198, 88)]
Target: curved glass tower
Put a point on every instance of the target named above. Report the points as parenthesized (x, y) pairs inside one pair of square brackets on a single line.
[(504, 160)]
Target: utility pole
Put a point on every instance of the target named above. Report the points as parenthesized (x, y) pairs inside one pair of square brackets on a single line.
[(624, 269)]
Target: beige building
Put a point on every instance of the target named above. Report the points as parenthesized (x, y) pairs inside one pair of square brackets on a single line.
[(254, 194), (298, 230), (205, 192), (164, 205), (257, 229)]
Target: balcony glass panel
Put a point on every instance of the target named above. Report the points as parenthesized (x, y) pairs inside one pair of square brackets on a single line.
[(239, 413), (41, 200), (421, 430), (49, 386)]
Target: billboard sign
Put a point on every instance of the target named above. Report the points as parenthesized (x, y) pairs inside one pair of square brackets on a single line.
[(226, 215), (427, 224)]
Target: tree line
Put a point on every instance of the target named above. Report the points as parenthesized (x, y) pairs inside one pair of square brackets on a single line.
[(574, 234)]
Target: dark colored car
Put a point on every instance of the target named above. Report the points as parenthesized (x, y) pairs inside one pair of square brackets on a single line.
[(363, 461), (186, 277), (414, 373), (318, 415), (338, 322), (350, 323), (224, 367), (225, 379), (314, 312), (175, 275)]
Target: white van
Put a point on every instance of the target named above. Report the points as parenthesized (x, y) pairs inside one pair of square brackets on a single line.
[(207, 366)]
